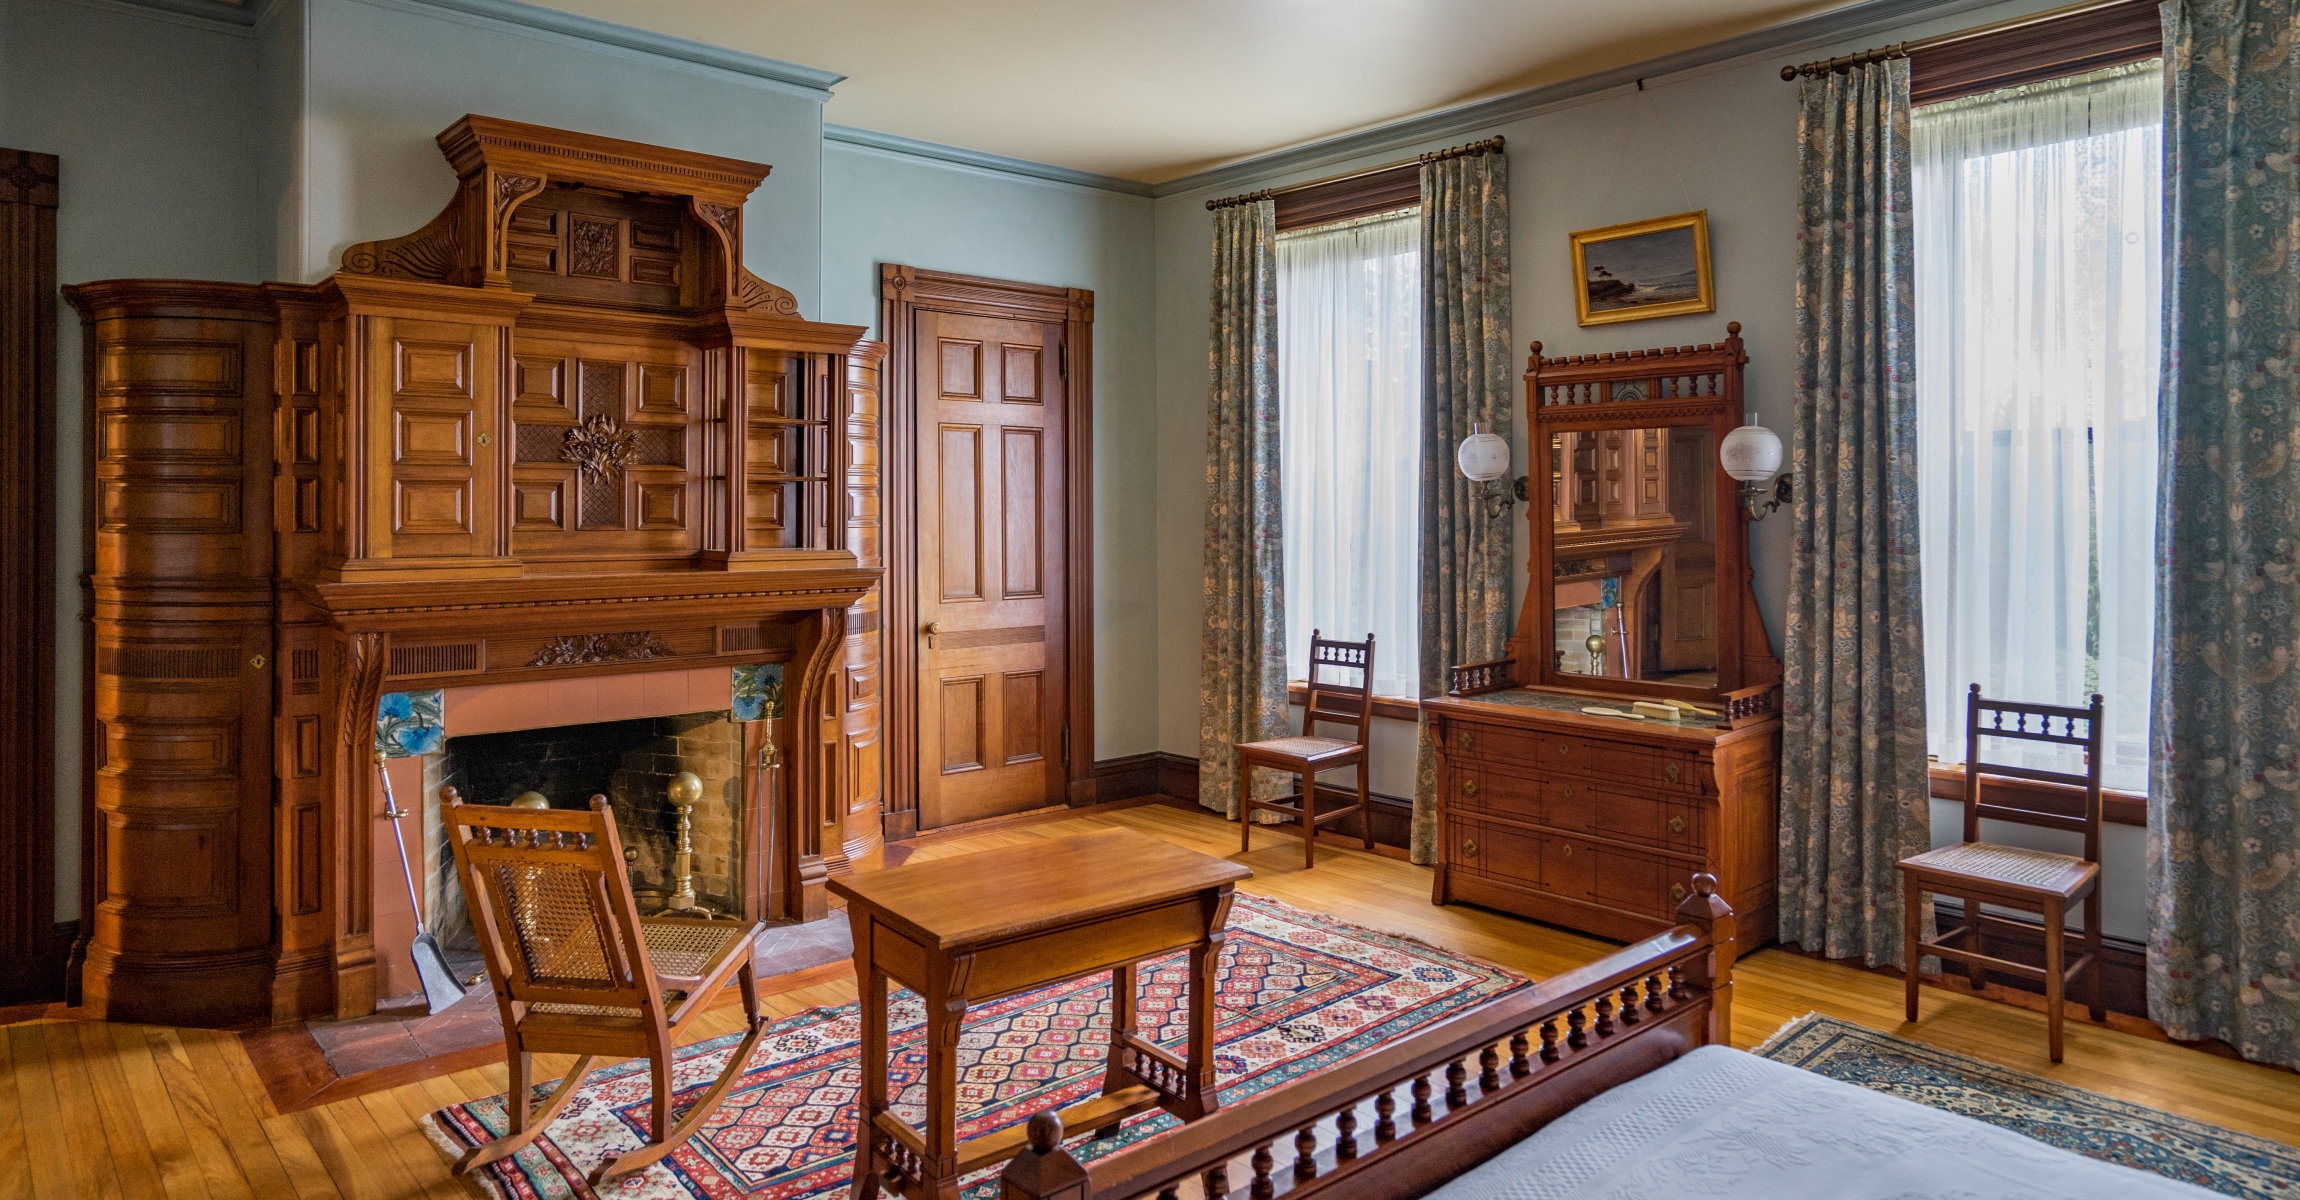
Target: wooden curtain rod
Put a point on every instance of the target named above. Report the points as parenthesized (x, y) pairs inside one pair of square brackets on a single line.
[(1904, 49), (1491, 145)]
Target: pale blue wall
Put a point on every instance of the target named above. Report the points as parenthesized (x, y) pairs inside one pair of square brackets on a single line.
[(154, 123), (884, 208), (383, 78)]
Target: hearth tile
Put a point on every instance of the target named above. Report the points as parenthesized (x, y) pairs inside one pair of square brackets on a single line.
[(374, 1054)]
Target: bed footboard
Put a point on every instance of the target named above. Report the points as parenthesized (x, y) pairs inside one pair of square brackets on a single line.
[(1441, 1101)]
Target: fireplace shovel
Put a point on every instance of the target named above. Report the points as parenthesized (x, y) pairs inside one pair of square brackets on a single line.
[(439, 986)]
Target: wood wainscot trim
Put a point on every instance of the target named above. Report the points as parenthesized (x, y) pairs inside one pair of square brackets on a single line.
[(904, 292), (31, 961)]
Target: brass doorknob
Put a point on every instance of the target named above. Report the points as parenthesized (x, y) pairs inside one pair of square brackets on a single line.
[(934, 629)]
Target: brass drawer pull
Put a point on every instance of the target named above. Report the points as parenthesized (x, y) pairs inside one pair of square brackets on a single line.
[(1676, 824), (1469, 849), (1677, 891), (1565, 747), (1671, 770), (1565, 849), (1468, 740), (1568, 792), (1468, 787)]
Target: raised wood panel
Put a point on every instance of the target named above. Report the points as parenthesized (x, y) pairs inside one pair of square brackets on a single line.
[(1022, 500), (1020, 375), (428, 369), (165, 436), (539, 504), (959, 468), (961, 369), (431, 439), (169, 506), (179, 868), (431, 508), (1020, 715), (174, 367), (965, 721), (168, 749)]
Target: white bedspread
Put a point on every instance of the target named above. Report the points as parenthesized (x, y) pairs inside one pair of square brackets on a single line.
[(1724, 1125)]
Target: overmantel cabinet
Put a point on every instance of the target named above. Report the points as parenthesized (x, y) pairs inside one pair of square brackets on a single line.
[(1559, 796), (559, 431)]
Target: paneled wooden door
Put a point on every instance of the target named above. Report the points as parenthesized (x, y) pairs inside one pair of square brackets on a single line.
[(993, 690)]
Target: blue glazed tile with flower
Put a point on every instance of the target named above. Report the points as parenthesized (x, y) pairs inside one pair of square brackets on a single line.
[(758, 692), (408, 724)]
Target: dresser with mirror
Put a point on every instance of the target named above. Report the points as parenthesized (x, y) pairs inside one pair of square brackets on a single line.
[(1631, 737)]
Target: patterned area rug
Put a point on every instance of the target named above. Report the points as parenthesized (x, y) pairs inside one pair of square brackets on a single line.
[(1298, 992), (2232, 1163)]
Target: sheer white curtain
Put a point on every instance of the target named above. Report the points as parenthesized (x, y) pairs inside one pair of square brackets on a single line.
[(1349, 438), (2038, 218)]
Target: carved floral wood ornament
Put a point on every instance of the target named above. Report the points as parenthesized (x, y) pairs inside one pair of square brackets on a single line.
[(559, 431)]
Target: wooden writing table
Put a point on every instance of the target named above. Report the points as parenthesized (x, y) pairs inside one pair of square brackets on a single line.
[(981, 926)]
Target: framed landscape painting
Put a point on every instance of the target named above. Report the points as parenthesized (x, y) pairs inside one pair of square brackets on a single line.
[(1655, 268)]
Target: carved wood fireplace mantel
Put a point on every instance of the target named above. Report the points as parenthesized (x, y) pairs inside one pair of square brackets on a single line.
[(557, 432)]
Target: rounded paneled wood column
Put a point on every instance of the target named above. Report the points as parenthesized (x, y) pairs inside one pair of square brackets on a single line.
[(865, 767), (177, 815)]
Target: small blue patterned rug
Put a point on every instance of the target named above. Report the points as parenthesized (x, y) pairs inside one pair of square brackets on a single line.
[(2097, 1126)]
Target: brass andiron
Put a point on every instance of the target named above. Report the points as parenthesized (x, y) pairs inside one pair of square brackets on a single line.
[(686, 788)]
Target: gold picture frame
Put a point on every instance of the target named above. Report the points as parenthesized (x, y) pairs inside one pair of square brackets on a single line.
[(1661, 257)]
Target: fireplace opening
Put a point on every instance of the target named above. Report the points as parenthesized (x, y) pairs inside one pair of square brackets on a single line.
[(632, 763)]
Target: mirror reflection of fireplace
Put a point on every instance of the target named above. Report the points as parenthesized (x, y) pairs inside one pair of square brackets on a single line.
[(1634, 553), (633, 763)]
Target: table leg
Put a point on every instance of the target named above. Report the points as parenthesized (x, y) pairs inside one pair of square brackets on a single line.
[(945, 1017), (1124, 1020), (1205, 961), (869, 1165)]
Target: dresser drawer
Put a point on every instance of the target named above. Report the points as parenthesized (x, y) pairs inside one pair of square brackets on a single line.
[(1496, 851), (1568, 866), (1685, 826), (1475, 789), (1629, 881), (1534, 750), (1631, 817)]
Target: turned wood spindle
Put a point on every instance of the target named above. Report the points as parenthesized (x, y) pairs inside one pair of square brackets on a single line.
[(1262, 1188), (1172, 1191), (1605, 1016), (1653, 999), (1421, 1094), (1577, 1029), (1346, 1134), (1677, 989), (1488, 1070), (1216, 1181), (1456, 1077), (1385, 1125), (1629, 1013), (1518, 1066), (1305, 1154), (1549, 1041)]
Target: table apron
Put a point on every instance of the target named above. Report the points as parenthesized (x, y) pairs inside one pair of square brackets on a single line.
[(1098, 945)]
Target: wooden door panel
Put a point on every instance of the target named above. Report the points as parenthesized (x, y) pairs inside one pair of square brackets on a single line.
[(992, 697)]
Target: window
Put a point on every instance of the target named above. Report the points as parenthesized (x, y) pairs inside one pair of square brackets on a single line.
[(2038, 248), (1349, 442)]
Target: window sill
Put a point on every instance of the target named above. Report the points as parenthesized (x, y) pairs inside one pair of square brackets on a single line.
[(1394, 708), (2116, 808)]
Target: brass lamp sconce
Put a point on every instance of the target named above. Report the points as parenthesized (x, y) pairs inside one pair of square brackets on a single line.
[(1752, 455), (1484, 458)]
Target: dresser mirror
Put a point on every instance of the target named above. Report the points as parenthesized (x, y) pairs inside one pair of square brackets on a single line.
[(1638, 579)]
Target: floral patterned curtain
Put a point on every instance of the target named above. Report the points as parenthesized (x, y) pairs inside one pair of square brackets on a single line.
[(1853, 778), (1466, 379), (2224, 791), (1242, 653)]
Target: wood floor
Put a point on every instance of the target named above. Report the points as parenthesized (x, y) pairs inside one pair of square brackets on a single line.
[(91, 1109)]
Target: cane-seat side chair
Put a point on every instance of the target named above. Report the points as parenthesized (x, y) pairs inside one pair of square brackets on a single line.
[(577, 970), (1329, 703), (2013, 877)]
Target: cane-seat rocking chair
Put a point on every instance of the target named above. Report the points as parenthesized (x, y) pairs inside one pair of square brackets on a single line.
[(577, 970)]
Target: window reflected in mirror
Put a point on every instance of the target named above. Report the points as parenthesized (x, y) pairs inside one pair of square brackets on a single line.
[(1634, 553)]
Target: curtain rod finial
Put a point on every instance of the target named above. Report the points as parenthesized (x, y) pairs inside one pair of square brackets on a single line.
[(1788, 73)]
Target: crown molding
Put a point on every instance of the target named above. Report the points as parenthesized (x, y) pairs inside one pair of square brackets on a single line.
[(1841, 24), (810, 81), (981, 160)]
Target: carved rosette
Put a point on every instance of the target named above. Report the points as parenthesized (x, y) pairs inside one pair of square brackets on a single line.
[(600, 447)]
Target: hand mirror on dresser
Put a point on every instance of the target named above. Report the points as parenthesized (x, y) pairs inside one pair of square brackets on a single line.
[(1630, 739)]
